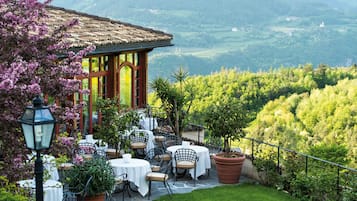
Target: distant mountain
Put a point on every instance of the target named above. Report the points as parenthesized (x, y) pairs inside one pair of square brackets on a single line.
[(246, 34)]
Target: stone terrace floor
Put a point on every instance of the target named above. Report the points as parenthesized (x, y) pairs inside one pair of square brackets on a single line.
[(182, 185)]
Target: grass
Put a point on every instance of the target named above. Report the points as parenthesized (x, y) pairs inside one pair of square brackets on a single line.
[(241, 192)]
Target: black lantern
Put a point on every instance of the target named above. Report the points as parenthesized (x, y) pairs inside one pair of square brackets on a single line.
[(38, 126)]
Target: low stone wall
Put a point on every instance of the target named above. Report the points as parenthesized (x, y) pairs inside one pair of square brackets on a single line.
[(197, 136)]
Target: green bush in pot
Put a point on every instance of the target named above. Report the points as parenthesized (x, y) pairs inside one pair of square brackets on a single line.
[(103, 178), (226, 120)]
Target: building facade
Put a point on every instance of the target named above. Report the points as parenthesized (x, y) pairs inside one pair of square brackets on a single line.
[(119, 65)]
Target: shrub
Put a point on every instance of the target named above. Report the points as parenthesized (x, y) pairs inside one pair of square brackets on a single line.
[(9, 191), (99, 169), (321, 186)]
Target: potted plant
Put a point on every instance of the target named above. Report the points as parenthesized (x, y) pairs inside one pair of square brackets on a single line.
[(108, 128), (115, 119), (103, 179), (226, 120)]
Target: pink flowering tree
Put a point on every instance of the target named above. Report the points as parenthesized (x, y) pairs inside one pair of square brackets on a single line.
[(34, 59)]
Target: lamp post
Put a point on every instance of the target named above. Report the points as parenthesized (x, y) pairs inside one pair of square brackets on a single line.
[(38, 126)]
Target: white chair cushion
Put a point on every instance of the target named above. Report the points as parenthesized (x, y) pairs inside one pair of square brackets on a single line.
[(157, 176), (185, 164)]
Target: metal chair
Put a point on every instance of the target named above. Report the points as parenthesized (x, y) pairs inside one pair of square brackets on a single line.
[(100, 153), (160, 140), (120, 180), (69, 195), (161, 176), (171, 140), (138, 140), (86, 148), (155, 157), (186, 159)]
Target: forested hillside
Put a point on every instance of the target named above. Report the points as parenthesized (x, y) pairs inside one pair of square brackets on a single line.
[(326, 117), (297, 108), (251, 35)]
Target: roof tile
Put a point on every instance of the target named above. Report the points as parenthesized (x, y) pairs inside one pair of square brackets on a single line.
[(100, 31)]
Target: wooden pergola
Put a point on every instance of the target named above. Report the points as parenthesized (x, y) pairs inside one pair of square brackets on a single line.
[(119, 65)]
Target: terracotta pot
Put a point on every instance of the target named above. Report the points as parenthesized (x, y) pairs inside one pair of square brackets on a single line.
[(228, 168), (100, 197)]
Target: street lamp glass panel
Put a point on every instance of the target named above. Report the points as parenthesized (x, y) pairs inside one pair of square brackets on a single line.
[(42, 115), (28, 115), (43, 135), (28, 132), (38, 127)]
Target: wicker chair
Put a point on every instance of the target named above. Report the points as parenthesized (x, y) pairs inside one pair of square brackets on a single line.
[(186, 159)]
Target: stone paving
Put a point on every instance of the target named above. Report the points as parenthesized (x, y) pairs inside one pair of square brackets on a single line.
[(182, 185)]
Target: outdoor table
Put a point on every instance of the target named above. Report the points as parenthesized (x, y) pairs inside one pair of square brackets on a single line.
[(49, 164), (52, 190), (203, 163), (136, 170), (148, 123)]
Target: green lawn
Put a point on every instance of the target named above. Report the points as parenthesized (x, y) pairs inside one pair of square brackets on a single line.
[(241, 192)]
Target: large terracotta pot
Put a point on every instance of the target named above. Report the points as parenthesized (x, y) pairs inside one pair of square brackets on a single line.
[(228, 168), (100, 197)]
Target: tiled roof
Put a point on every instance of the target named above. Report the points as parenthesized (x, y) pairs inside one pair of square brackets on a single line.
[(105, 33)]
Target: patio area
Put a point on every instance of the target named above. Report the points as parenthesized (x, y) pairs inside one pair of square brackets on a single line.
[(182, 185)]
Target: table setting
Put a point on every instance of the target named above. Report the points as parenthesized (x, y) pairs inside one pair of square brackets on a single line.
[(204, 162), (136, 170)]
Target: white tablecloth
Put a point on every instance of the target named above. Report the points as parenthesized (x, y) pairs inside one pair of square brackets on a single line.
[(148, 123), (49, 164), (136, 169), (204, 161), (52, 190)]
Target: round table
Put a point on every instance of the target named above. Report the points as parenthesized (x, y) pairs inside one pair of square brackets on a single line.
[(52, 190), (136, 170), (148, 123), (203, 163)]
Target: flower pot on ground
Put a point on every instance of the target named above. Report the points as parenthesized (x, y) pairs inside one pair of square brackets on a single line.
[(226, 120), (229, 168), (100, 197)]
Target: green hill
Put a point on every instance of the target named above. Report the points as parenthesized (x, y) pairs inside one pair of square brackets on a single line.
[(297, 108)]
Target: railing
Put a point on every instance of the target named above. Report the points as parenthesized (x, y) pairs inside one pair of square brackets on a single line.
[(309, 163)]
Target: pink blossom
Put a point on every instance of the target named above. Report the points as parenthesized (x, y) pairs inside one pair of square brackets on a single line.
[(29, 66), (78, 160)]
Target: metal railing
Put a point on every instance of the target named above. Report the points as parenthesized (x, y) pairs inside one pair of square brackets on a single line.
[(309, 164)]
